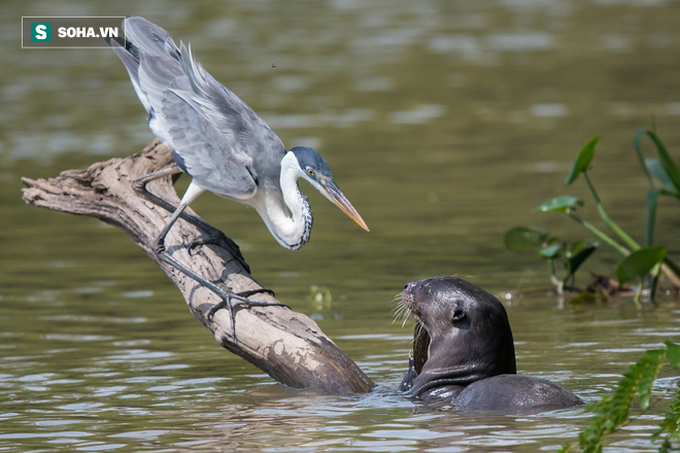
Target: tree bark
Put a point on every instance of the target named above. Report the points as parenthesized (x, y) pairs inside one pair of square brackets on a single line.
[(289, 346)]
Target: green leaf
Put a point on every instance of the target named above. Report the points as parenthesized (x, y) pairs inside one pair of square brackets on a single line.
[(650, 223), (551, 252), (667, 162), (564, 204), (579, 253), (576, 247), (659, 171), (673, 353), (525, 239), (637, 138), (669, 425), (649, 364), (623, 396), (582, 161), (640, 263), (612, 411)]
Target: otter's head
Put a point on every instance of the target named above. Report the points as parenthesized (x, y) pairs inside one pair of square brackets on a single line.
[(470, 336)]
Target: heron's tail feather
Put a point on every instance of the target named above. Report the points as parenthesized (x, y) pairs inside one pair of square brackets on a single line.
[(149, 38), (145, 55)]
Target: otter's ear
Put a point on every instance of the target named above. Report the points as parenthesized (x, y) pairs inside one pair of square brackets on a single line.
[(458, 314)]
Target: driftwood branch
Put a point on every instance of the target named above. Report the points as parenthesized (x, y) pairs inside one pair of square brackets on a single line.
[(289, 346)]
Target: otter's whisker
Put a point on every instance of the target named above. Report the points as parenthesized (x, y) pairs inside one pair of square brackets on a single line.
[(407, 316), (400, 310), (421, 329)]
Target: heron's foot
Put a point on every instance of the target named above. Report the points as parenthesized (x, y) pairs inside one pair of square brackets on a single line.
[(242, 297), (251, 292), (159, 246), (139, 186), (140, 182), (226, 295)]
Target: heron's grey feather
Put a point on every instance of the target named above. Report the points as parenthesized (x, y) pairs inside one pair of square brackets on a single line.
[(149, 38), (224, 145), (202, 136), (130, 57)]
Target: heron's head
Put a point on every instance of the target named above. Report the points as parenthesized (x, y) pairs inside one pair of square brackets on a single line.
[(315, 169)]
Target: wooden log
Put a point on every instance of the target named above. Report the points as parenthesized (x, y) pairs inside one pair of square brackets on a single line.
[(288, 346)]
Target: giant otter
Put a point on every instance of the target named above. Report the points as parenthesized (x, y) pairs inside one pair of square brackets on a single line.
[(470, 360)]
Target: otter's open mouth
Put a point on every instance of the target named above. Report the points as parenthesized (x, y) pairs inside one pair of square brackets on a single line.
[(421, 337)]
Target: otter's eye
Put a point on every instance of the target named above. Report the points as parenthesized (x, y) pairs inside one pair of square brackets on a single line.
[(458, 314), (310, 172)]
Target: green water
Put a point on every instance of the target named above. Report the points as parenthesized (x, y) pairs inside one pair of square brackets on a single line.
[(444, 124)]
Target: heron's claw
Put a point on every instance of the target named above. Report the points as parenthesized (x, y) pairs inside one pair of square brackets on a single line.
[(215, 308), (160, 247), (243, 297), (250, 292)]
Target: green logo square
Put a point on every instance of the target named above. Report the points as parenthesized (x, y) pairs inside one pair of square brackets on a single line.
[(41, 32)]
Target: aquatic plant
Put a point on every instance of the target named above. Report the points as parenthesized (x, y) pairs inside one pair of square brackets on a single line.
[(640, 261), (612, 411)]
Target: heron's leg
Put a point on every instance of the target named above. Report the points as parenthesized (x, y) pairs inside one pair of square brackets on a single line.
[(159, 241), (227, 296), (193, 191), (139, 185), (215, 236)]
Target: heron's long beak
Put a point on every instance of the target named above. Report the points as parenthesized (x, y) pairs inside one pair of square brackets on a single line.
[(333, 193)]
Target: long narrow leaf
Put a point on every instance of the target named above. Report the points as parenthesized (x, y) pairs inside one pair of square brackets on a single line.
[(649, 364), (655, 166), (667, 161), (669, 425), (612, 411), (650, 223), (673, 353), (637, 143)]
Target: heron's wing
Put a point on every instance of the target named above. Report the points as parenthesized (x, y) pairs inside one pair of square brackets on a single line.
[(200, 151), (218, 139), (144, 40)]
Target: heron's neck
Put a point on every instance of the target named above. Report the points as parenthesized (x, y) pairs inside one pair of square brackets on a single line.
[(290, 225)]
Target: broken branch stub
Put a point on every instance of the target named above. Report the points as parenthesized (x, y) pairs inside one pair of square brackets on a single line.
[(289, 346)]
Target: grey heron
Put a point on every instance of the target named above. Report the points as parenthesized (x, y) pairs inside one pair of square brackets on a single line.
[(220, 142)]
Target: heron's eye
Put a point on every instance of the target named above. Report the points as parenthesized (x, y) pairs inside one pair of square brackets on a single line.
[(310, 172)]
